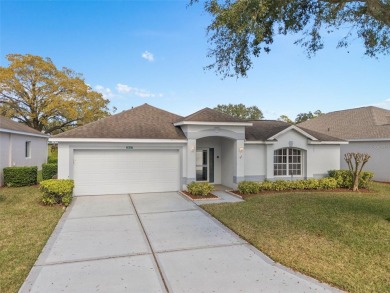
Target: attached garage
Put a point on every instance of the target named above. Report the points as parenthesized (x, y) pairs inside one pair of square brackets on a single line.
[(125, 171)]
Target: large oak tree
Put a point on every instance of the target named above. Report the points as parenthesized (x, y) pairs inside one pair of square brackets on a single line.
[(242, 29), (33, 91)]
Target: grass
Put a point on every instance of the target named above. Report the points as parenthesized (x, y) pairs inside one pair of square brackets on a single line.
[(25, 226), (339, 238)]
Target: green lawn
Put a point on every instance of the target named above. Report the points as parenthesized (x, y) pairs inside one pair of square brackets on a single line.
[(25, 226), (339, 238)]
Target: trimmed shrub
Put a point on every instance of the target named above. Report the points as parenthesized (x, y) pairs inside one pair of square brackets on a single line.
[(49, 171), (248, 187), (57, 191), (265, 185), (20, 176), (344, 178), (251, 187), (52, 160), (200, 188), (327, 183)]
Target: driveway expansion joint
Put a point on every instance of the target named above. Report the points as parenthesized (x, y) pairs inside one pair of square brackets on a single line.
[(150, 246), (92, 259)]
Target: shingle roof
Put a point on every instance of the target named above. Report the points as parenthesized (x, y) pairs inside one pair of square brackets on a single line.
[(360, 123), (210, 115), (262, 130), (144, 122), (8, 124)]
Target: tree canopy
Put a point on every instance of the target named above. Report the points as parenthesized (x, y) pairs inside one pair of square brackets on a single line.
[(301, 117), (241, 111), (34, 92), (241, 30)]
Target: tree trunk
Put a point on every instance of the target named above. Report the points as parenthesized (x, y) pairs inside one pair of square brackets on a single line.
[(355, 182)]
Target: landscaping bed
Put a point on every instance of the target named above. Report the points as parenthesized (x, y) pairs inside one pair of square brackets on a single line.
[(264, 192), (25, 226), (341, 238), (200, 197)]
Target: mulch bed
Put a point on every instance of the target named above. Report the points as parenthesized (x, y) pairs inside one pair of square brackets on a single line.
[(197, 197), (244, 196)]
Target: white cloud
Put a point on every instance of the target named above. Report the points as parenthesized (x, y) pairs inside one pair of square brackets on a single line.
[(105, 91), (148, 56), (125, 89)]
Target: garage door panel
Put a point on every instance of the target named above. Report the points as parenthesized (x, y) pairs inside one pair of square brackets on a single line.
[(116, 171)]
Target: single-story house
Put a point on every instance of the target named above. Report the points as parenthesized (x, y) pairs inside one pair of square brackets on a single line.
[(20, 145), (147, 149), (367, 129)]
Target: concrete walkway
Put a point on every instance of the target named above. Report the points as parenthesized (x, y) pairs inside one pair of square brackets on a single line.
[(158, 242)]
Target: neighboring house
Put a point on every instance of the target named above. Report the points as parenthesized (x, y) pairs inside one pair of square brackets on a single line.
[(147, 149), (20, 145), (368, 131)]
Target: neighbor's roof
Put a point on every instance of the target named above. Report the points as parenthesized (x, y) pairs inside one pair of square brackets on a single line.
[(9, 125), (210, 115), (262, 130), (143, 122), (360, 123)]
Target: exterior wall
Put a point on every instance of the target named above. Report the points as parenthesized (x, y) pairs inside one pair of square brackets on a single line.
[(227, 162), (379, 161), (255, 162), (321, 159), (12, 151), (317, 158), (291, 139)]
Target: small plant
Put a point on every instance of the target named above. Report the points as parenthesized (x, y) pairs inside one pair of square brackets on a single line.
[(57, 191), (248, 187), (200, 188), (20, 176), (49, 171)]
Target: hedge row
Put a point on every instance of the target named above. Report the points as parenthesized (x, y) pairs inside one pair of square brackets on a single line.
[(251, 187), (200, 188), (57, 191), (20, 176), (49, 171), (344, 178)]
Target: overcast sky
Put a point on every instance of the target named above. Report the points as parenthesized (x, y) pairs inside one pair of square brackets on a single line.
[(154, 52)]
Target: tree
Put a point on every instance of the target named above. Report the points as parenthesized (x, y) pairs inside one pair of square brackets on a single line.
[(241, 111), (286, 119), (301, 117), (243, 29), (34, 92), (356, 162)]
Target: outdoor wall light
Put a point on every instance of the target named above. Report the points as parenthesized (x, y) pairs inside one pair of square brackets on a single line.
[(241, 149), (192, 149)]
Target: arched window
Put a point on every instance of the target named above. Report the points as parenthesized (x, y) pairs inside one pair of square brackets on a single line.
[(287, 161)]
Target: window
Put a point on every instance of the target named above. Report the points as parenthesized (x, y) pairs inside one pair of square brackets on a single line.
[(287, 161), (28, 149)]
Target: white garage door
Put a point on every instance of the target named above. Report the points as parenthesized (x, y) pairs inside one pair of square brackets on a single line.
[(125, 171)]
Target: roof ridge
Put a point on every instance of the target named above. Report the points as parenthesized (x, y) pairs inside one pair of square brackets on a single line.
[(230, 117)]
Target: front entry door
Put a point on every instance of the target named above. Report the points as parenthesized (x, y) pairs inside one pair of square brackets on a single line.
[(202, 168)]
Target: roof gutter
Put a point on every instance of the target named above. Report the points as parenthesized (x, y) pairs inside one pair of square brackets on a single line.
[(213, 123), (327, 142), (117, 140), (23, 133)]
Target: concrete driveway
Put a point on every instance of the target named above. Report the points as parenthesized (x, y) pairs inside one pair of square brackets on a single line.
[(158, 242)]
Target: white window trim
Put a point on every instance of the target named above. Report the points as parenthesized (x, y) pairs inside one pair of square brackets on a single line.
[(287, 163)]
